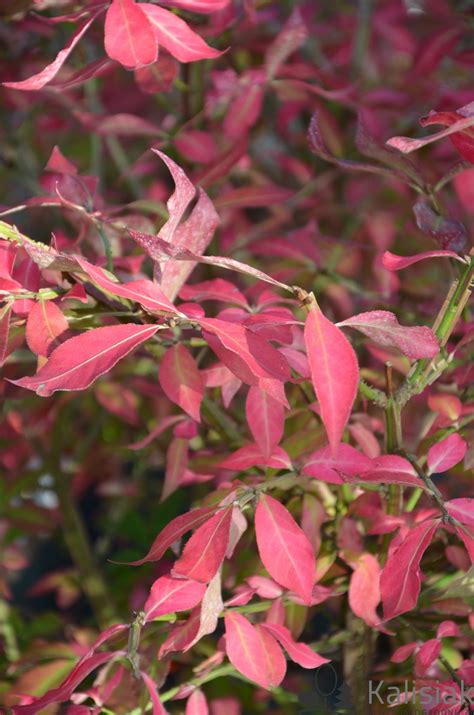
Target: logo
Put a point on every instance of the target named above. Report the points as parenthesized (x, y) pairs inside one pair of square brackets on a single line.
[(331, 696)]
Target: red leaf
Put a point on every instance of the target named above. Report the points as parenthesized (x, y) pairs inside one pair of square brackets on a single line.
[(176, 36), (176, 465), (158, 250), (427, 654), (129, 36), (259, 358), (445, 454), (45, 323), (216, 289), (205, 550), (462, 509), (334, 372), (157, 706), (299, 652), (364, 589), (181, 380), (76, 363), (392, 469), (39, 80), (250, 456), (143, 291), (400, 580), (392, 262), (275, 662), (403, 652), (284, 548), (5, 315), (334, 467), (244, 110), (168, 595), (265, 417), (244, 648), (67, 687), (174, 531), (382, 327)]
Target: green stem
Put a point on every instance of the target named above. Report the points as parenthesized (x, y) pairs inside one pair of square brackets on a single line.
[(424, 369)]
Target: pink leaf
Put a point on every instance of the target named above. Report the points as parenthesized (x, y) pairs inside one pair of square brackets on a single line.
[(265, 417), (284, 548), (205, 550), (157, 706), (445, 454), (176, 36), (176, 465), (404, 652), (400, 580), (197, 704), (259, 358), (292, 36), (205, 7), (5, 315), (462, 509), (158, 250), (392, 262), (250, 456), (382, 327), (428, 654), (181, 380), (455, 124), (174, 531), (299, 652), (168, 595), (44, 325), (392, 469), (39, 80), (335, 467), (216, 289), (275, 662), (244, 648), (129, 36), (334, 372), (79, 361), (364, 589), (244, 110)]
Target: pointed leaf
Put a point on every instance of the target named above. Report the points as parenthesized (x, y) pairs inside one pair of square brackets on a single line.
[(157, 706), (336, 467), (143, 291), (382, 327), (265, 418), (197, 704), (176, 36), (392, 262), (176, 465), (334, 372), (392, 469), (400, 580), (39, 80), (216, 289), (174, 531), (299, 652), (181, 380), (445, 454), (168, 595), (284, 548), (205, 550), (76, 363), (129, 36), (275, 662), (462, 509), (245, 649), (250, 456)]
